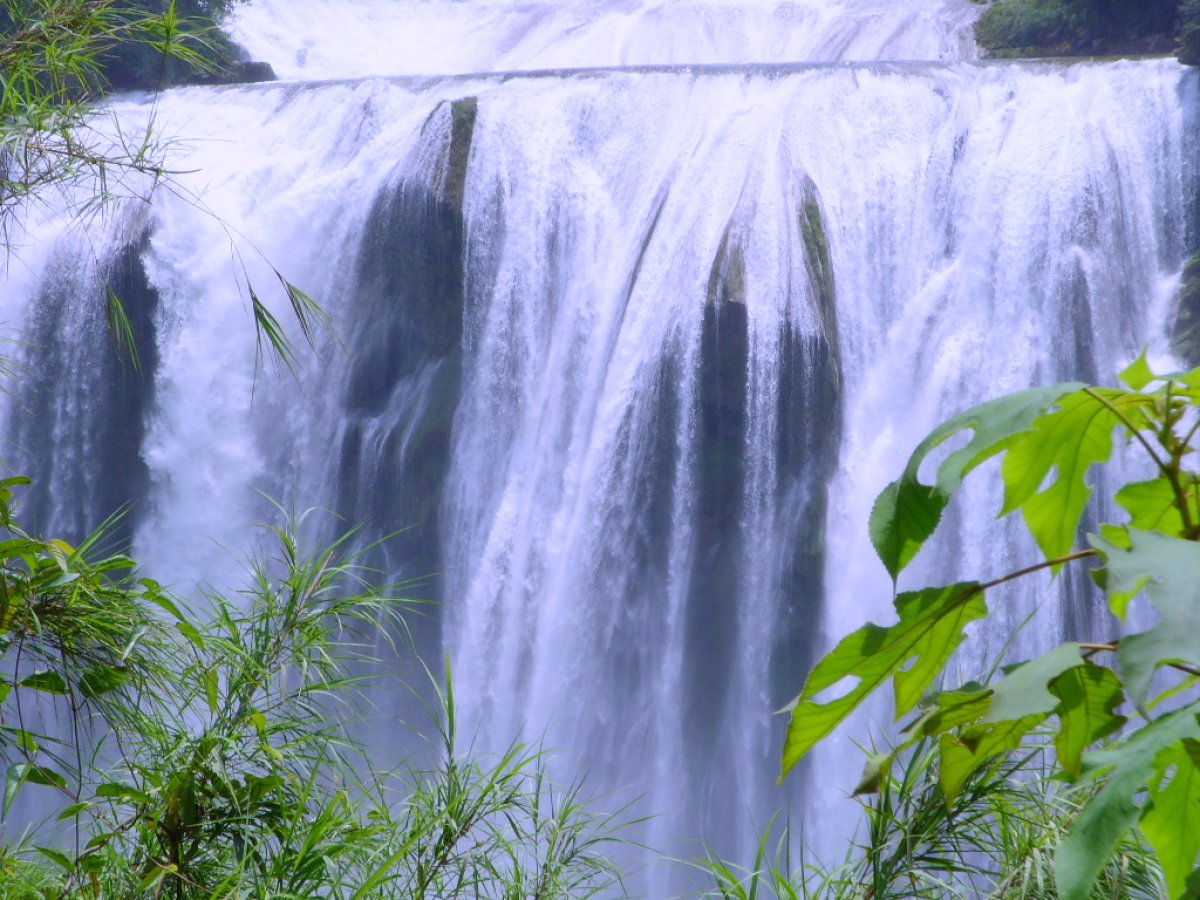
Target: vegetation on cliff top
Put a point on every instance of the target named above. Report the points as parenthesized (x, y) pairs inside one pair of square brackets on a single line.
[(1015, 28)]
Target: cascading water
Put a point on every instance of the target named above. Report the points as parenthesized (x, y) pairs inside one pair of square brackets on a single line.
[(631, 349)]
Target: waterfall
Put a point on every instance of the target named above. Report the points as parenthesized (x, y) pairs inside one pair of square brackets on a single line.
[(627, 349)]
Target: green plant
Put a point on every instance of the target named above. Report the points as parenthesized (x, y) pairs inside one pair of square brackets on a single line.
[(1148, 774), (995, 839), (214, 756)]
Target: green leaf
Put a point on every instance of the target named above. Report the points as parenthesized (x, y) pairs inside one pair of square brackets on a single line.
[(75, 809), (1169, 571), (210, 689), (1088, 697), (1151, 506), (13, 779), (929, 630), (1171, 821), (101, 680), (1023, 691), (189, 631), (48, 681), (907, 512), (45, 776), (57, 857), (116, 791), (938, 713), (1099, 825), (1069, 441), (1137, 374), (964, 753)]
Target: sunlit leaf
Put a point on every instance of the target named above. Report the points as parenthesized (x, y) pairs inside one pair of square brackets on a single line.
[(930, 628), (962, 754), (1024, 690), (1088, 697), (1152, 507), (1067, 442), (908, 511)]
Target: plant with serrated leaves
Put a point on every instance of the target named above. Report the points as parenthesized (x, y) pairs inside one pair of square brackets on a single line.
[(995, 839), (1137, 692)]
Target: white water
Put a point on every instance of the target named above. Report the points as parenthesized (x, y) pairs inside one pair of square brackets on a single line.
[(989, 226), (353, 38)]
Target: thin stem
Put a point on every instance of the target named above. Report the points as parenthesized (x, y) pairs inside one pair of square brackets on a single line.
[(1037, 567), (1136, 432)]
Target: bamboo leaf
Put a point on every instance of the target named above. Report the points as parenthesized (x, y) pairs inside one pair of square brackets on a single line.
[(48, 681)]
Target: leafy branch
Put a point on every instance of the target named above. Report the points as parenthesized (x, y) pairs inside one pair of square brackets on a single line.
[(1146, 776)]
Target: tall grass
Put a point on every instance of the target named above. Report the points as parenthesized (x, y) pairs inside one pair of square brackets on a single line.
[(212, 754)]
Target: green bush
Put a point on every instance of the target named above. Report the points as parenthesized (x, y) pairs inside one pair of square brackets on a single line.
[(204, 756), (1018, 24), (1189, 33)]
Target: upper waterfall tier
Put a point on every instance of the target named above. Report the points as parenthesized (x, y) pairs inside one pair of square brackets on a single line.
[(321, 39)]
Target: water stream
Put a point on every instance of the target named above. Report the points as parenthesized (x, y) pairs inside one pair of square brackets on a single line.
[(630, 348)]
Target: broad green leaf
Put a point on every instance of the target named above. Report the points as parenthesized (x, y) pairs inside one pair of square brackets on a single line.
[(36, 774), (1023, 691), (1088, 697), (929, 630), (101, 680), (57, 857), (907, 512), (1171, 821), (1137, 374), (48, 681), (1067, 441), (1168, 569), (949, 709), (938, 713), (1151, 506), (1102, 821), (962, 754)]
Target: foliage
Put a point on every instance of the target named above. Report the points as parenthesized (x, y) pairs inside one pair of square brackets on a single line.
[(1041, 27), (51, 56), (1189, 33), (996, 838), (208, 757), (1048, 440)]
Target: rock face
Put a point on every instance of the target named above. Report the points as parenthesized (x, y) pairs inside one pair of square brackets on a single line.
[(1185, 336), (403, 387), (95, 468)]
